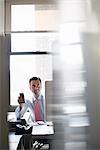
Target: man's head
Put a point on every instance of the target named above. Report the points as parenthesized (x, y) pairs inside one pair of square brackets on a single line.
[(35, 85)]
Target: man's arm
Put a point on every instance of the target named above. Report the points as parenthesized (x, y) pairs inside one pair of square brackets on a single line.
[(21, 109), (20, 112)]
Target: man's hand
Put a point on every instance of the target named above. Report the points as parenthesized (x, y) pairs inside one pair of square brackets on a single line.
[(21, 100)]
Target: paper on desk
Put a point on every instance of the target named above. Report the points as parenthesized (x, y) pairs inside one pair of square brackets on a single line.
[(42, 130), (11, 117), (48, 123)]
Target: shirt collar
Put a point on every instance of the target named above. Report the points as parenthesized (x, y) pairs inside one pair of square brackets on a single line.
[(34, 98)]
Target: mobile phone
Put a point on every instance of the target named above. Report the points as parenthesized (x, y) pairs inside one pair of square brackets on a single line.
[(21, 95)]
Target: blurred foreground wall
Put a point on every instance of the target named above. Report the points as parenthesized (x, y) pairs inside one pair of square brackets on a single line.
[(4, 96)]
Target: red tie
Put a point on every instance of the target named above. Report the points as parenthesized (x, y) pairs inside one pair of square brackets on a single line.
[(37, 110)]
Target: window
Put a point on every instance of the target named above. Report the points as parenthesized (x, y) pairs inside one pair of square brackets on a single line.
[(31, 48)]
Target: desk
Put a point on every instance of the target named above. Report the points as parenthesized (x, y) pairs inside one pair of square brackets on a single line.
[(12, 121), (44, 132), (39, 132)]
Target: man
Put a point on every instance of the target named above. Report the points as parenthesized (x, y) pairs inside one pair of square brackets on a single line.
[(36, 105)]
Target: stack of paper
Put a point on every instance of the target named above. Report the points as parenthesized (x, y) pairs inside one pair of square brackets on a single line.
[(42, 130)]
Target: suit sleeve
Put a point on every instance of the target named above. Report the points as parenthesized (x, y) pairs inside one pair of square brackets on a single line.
[(19, 113)]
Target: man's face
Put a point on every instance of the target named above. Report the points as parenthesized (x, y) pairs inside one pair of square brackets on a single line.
[(35, 87)]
